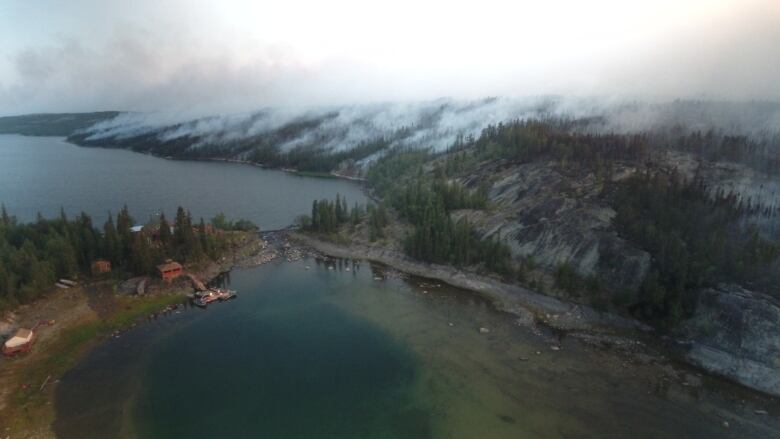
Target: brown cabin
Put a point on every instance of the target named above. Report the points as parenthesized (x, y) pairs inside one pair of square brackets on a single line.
[(100, 266), (170, 270), (208, 229)]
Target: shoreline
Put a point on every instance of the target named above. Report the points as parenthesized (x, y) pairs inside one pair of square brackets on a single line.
[(296, 172), (528, 306), (531, 308), (85, 316)]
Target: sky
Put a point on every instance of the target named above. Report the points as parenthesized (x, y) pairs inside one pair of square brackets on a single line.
[(239, 55)]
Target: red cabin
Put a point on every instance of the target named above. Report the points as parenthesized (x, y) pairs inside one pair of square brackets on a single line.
[(100, 266), (170, 270)]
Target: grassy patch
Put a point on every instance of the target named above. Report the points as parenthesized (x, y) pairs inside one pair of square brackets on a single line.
[(31, 409)]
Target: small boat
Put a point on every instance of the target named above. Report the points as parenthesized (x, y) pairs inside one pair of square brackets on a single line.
[(203, 298), (20, 342), (224, 294)]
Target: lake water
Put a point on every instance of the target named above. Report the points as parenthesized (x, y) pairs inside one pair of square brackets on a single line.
[(338, 349), (42, 174)]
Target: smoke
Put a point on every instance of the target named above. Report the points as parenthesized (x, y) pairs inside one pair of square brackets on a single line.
[(435, 124)]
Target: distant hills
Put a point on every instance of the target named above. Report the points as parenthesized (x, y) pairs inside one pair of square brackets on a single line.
[(52, 124)]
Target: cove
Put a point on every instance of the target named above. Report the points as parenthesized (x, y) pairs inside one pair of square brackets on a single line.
[(282, 360)]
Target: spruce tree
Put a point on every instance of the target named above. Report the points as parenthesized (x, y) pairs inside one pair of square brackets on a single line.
[(111, 243), (165, 232)]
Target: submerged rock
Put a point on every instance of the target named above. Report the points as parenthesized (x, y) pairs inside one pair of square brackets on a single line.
[(735, 333)]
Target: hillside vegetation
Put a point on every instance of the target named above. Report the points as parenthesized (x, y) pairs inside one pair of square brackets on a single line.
[(695, 233)]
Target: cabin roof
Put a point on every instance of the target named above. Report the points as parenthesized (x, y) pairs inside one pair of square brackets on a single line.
[(168, 266)]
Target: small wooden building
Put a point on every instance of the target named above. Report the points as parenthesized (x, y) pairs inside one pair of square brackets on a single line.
[(100, 266), (21, 341), (170, 270)]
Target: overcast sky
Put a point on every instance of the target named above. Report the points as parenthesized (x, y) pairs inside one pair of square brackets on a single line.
[(227, 56)]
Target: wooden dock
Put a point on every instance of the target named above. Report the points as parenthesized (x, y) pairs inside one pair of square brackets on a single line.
[(200, 286)]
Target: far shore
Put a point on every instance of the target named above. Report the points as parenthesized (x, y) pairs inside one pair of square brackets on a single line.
[(313, 174)]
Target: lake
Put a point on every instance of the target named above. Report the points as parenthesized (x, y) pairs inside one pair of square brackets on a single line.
[(42, 174), (336, 348)]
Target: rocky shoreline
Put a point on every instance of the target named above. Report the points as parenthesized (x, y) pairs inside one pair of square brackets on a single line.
[(755, 370), (527, 305)]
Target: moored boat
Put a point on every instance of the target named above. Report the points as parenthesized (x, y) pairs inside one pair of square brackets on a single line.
[(205, 299), (213, 294), (224, 294)]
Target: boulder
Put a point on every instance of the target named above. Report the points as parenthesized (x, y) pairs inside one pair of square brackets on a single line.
[(736, 333)]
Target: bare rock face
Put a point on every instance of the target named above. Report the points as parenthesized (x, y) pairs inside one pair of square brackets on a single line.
[(736, 333), (555, 218)]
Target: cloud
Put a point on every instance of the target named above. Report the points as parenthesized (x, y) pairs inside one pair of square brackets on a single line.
[(736, 58), (203, 58)]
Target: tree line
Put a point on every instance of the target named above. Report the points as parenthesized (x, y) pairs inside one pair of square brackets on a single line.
[(327, 216), (426, 202)]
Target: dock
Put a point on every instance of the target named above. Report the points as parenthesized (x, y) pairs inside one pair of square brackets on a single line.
[(197, 283)]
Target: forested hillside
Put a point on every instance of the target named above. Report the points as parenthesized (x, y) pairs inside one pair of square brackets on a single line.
[(696, 233)]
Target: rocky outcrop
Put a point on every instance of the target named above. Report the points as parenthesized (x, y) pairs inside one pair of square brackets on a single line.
[(736, 333), (551, 217)]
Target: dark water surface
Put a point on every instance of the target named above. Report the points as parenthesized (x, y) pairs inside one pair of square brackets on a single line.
[(41, 174), (282, 360)]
